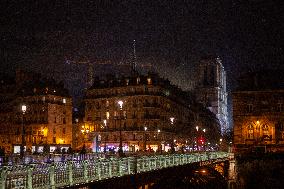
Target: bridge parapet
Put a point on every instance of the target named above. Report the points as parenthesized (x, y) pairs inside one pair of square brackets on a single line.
[(70, 173)]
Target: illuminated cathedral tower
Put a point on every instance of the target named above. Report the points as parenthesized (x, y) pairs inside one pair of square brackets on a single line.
[(211, 88)]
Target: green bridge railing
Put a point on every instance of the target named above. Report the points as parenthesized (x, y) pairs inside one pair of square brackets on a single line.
[(70, 173)]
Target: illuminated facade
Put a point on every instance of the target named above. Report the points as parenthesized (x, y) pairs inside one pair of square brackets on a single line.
[(211, 89), (151, 113), (258, 111), (47, 121)]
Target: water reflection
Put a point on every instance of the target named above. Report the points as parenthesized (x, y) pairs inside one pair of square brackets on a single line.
[(204, 177)]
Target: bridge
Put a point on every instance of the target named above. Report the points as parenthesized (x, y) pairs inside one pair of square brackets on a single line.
[(77, 173)]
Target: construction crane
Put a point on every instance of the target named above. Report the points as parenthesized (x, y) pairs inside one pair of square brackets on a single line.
[(90, 64), (90, 67)]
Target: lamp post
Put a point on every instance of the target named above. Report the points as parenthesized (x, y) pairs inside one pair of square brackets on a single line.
[(120, 150), (105, 124), (172, 140), (204, 144), (159, 141), (257, 132), (84, 131), (22, 148), (145, 140)]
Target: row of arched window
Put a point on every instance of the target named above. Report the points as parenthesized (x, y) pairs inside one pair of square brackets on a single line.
[(264, 129)]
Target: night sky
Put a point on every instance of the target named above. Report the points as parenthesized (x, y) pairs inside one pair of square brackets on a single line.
[(170, 35)]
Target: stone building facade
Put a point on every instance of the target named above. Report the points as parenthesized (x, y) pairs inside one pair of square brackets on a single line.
[(258, 111), (154, 113), (211, 89), (150, 112), (47, 121)]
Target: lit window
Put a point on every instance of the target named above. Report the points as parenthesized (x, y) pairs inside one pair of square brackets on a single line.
[(265, 130), (138, 80), (115, 113), (250, 132), (107, 115), (149, 81), (64, 100)]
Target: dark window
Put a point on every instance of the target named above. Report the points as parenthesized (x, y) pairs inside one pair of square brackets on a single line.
[(249, 108), (279, 107)]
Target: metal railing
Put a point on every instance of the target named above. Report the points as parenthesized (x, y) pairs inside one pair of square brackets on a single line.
[(74, 172)]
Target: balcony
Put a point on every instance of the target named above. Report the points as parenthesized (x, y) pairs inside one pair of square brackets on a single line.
[(147, 116), (151, 105)]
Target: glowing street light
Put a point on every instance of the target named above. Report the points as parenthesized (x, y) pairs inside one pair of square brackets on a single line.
[(105, 125), (120, 103), (24, 109), (172, 120), (120, 150), (145, 141)]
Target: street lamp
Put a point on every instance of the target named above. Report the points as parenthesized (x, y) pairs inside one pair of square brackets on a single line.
[(145, 140), (172, 142), (105, 124), (84, 131), (159, 142), (204, 145), (120, 150), (24, 109)]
